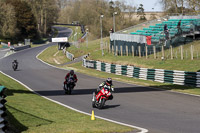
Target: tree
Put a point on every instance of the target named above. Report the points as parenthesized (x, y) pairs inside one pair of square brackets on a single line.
[(8, 28), (45, 12), (88, 12), (140, 13), (26, 22)]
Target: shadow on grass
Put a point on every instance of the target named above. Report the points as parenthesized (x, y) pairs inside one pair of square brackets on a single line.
[(11, 92), (134, 89), (15, 126)]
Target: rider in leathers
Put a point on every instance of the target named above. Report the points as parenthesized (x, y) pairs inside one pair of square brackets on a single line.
[(71, 74), (107, 83)]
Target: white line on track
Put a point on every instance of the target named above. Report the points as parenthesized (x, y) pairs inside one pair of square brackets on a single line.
[(143, 130), (139, 128)]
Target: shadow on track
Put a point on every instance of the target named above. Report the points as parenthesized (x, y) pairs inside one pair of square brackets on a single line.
[(90, 91), (110, 106)]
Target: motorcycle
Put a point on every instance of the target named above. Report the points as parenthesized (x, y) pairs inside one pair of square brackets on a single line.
[(69, 86), (14, 65), (99, 100)]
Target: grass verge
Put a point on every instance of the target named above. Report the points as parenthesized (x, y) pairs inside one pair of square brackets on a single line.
[(168, 64), (27, 113), (53, 56)]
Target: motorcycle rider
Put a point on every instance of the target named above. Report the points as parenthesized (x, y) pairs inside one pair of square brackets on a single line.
[(15, 62), (72, 75), (107, 83)]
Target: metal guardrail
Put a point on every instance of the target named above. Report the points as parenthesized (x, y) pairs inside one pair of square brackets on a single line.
[(18, 48)]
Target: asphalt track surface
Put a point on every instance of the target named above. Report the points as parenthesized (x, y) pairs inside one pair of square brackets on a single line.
[(158, 111)]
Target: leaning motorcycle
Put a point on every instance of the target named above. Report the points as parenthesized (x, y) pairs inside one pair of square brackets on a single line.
[(69, 86), (14, 65), (99, 100)]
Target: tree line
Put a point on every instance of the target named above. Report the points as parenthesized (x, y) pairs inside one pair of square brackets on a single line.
[(20, 19)]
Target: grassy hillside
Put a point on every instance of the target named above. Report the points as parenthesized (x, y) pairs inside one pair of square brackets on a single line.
[(169, 64)]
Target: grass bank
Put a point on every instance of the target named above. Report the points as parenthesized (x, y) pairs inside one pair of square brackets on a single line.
[(27, 113), (53, 56), (186, 64)]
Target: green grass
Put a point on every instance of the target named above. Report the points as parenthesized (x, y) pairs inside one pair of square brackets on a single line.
[(27, 113), (53, 56), (1, 46), (176, 64)]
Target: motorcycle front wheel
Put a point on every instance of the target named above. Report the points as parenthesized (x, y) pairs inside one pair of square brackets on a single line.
[(101, 103)]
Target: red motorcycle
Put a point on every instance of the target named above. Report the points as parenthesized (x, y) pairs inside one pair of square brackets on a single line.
[(99, 100)]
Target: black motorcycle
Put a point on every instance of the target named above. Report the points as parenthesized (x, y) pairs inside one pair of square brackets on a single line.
[(69, 86), (15, 65)]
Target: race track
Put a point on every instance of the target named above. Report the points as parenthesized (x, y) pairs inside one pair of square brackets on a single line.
[(158, 111)]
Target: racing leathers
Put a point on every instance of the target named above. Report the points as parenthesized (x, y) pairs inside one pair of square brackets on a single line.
[(106, 84)]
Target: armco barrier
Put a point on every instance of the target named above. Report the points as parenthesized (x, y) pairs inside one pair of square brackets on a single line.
[(21, 47), (159, 75)]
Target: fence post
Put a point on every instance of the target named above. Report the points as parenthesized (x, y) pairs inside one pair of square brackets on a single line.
[(163, 53), (146, 52), (192, 57), (171, 51), (133, 51), (109, 48), (116, 50), (181, 52), (112, 50), (154, 51), (139, 50), (126, 50), (121, 50)]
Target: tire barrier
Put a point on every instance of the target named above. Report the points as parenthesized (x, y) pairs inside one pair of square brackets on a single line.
[(2, 109), (159, 75)]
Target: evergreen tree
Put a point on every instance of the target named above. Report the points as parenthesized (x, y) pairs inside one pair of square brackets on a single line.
[(140, 13), (26, 22)]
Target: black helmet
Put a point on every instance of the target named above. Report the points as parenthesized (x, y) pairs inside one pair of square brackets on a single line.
[(71, 72), (109, 81)]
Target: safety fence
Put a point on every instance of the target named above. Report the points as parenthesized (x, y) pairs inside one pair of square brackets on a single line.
[(159, 75), (68, 54)]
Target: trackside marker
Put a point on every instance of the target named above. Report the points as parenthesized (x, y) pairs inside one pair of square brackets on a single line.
[(92, 116)]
